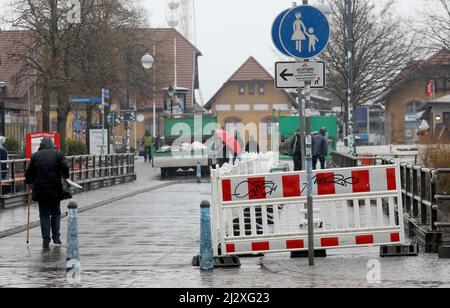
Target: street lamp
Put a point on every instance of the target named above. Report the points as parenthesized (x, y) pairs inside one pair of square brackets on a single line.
[(147, 62)]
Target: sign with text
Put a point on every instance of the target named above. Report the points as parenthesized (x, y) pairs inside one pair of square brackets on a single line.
[(98, 141), (293, 75), (33, 141)]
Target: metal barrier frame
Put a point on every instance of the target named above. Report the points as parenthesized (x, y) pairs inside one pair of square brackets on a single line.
[(90, 171), (220, 223), (419, 195)]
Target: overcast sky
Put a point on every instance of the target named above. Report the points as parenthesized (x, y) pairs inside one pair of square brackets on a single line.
[(229, 31)]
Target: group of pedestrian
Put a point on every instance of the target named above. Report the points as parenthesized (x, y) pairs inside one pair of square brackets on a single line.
[(319, 149)]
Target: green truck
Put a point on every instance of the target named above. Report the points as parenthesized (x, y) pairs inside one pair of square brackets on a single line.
[(186, 143), (288, 125)]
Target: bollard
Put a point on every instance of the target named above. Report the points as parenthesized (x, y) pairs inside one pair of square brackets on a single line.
[(206, 253), (72, 233), (199, 172)]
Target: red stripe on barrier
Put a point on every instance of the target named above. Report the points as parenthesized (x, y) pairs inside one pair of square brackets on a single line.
[(257, 188), (295, 244), (391, 179), (395, 237), (260, 246), (226, 190), (329, 242), (231, 248), (364, 239), (291, 186), (325, 183), (361, 181)]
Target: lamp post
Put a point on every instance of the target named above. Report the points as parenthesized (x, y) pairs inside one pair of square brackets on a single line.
[(147, 62), (170, 94), (351, 135)]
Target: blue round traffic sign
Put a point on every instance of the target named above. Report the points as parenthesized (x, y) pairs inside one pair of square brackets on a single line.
[(276, 33), (304, 32)]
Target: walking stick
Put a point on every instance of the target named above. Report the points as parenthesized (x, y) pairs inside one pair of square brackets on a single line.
[(29, 210)]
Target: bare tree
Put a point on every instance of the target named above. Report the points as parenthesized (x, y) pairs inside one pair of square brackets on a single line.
[(381, 48), (76, 58), (434, 26)]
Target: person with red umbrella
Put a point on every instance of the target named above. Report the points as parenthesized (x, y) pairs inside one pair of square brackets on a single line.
[(227, 143)]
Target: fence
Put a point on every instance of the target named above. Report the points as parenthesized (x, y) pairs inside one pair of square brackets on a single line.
[(90, 171), (255, 213), (422, 201)]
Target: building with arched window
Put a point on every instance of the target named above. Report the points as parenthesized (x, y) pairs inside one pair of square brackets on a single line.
[(404, 101), (249, 98)]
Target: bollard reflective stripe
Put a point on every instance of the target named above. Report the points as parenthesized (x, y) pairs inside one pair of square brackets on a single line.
[(72, 252), (206, 252)]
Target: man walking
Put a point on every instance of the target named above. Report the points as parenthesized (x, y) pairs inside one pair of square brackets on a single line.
[(295, 147), (46, 169), (319, 148), (147, 142)]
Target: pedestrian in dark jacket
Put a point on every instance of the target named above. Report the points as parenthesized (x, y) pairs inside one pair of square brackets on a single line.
[(252, 146), (295, 147), (47, 167), (3, 157), (4, 166), (319, 148)]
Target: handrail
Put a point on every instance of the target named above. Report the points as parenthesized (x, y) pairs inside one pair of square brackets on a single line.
[(420, 186), (84, 169)]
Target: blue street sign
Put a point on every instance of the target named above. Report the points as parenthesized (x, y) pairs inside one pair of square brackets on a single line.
[(304, 32), (276, 33), (92, 100), (106, 93)]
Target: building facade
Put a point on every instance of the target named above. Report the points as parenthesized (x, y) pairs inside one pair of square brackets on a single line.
[(249, 98), (17, 95), (176, 65), (405, 100)]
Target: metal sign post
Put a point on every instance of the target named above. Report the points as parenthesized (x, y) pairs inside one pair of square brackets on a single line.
[(309, 172), (302, 32)]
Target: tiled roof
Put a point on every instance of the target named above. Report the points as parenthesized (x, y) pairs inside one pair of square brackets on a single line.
[(251, 70), (416, 69), (9, 67), (165, 40)]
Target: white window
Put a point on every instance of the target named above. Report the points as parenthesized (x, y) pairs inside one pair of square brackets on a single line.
[(281, 107), (261, 107), (242, 107), (223, 107)]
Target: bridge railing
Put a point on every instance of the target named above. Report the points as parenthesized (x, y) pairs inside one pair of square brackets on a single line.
[(90, 171), (423, 193)]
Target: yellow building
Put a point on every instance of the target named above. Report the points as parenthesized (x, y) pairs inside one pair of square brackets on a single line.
[(250, 98)]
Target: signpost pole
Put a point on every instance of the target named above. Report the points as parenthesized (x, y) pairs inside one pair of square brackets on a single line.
[(102, 108), (303, 33), (309, 204), (351, 134)]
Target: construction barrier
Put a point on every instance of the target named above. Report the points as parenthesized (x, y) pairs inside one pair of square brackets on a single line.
[(261, 213)]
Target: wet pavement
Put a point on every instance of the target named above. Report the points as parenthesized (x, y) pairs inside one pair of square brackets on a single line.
[(147, 177), (148, 240)]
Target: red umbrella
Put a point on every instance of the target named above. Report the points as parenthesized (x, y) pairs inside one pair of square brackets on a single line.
[(229, 140)]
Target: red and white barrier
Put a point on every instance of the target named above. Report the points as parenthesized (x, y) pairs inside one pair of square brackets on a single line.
[(325, 183), (267, 212)]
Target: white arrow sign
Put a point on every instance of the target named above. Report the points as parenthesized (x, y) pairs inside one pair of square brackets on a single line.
[(293, 75)]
